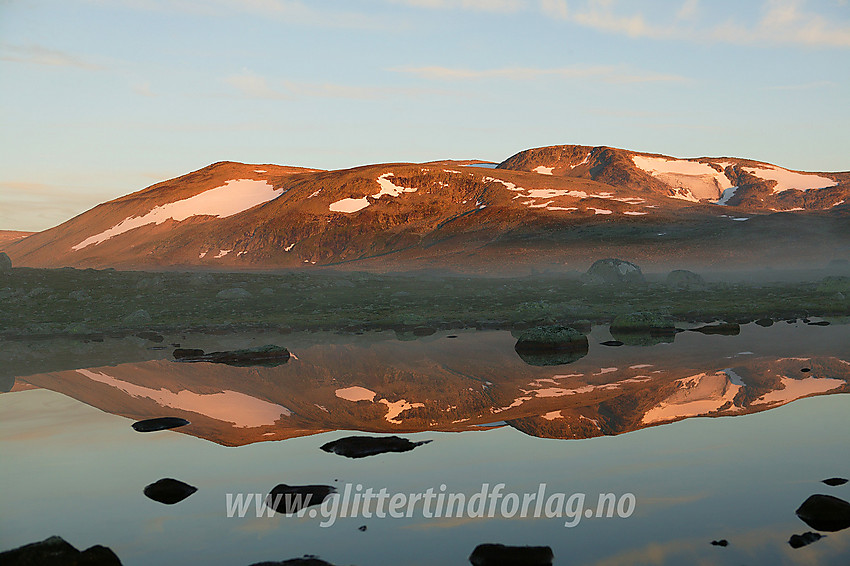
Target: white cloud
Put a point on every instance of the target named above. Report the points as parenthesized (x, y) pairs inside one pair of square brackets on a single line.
[(503, 6), (40, 55), (611, 74), (252, 85)]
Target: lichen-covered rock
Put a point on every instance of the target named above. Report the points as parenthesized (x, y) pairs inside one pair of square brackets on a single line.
[(5, 262), (550, 345), (612, 271), (682, 279), (642, 322)]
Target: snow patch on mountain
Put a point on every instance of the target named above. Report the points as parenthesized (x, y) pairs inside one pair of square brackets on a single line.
[(544, 170), (790, 180), (699, 394), (235, 196), (349, 205), (390, 188), (701, 180), (727, 194), (795, 388)]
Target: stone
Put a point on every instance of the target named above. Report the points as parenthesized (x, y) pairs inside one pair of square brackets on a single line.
[(289, 499), (682, 279), (169, 491), (363, 446), (306, 560), (159, 423), (805, 539), (550, 345), (501, 555), (55, 551), (825, 513), (722, 329), (833, 482), (721, 542), (5, 262), (612, 271), (266, 356)]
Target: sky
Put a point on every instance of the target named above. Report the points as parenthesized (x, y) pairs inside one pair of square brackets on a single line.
[(100, 98)]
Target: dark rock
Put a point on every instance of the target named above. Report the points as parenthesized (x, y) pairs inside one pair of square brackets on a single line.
[(613, 271), (805, 370), (169, 491), (424, 331), (682, 279), (5, 265), (267, 356), (452, 336), (183, 353), (290, 499), (638, 322), (306, 560), (723, 329), (550, 345), (799, 541), (55, 551), (151, 336), (501, 555), (765, 322), (832, 482), (825, 513), (721, 542), (612, 343), (159, 423), (362, 528), (819, 323), (362, 446)]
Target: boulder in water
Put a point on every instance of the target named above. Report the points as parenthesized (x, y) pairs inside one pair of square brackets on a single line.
[(362, 446), (612, 271)]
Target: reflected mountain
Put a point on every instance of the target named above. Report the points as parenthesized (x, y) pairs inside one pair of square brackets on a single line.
[(377, 383)]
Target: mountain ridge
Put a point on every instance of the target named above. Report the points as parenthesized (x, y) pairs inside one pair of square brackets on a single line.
[(451, 213)]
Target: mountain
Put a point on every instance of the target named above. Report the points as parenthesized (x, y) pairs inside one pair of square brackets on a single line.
[(553, 207)]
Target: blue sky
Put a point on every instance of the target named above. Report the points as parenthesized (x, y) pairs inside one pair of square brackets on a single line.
[(99, 98)]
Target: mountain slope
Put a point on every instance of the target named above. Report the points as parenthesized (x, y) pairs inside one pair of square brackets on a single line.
[(548, 206)]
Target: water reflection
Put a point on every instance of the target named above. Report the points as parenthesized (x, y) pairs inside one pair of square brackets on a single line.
[(380, 384)]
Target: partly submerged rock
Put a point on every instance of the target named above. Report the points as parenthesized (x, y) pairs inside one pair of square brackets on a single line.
[(765, 322), (362, 446), (825, 513), (290, 499), (169, 491), (799, 541), (550, 345), (723, 329), (268, 355), (642, 329), (612, 271), (55, 551), (721, 542), (682, 279), (159, 423), (501, 555), (613, 343), (306, 560), (832, 482)]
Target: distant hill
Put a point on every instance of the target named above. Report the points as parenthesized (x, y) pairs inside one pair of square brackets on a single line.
[(548, 208)]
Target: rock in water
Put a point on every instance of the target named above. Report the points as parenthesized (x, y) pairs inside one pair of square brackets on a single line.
[(799, 541), (721, 542), (722, 329), (613, 343), (169, 491), (825, 513), (5, 265), (551, 345), (307, 560), (55, 551), (613, 271), (832, 482), (501, 555), (682, 279), (362, 446), (267, 356), (290, 499), (159, 423)]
